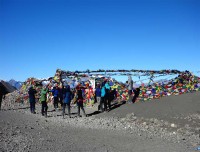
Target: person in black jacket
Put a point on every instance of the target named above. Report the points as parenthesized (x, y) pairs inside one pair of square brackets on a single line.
[(80, 98), (55, 92), (61, 91), (67, 100), (32, 93), (136, 94), (2, 93)]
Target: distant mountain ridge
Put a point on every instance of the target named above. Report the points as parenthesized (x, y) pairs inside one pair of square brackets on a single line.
[(16, 84)]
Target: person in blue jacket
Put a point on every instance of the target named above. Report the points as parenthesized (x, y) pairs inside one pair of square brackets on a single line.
[(55, 92), (107, 101), (98, 95), (102, 102), (67, 96)]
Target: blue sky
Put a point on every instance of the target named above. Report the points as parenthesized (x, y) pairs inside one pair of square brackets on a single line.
[(39, 36)]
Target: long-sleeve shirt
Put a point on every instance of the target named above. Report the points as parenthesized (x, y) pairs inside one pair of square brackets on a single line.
[(43, 95)]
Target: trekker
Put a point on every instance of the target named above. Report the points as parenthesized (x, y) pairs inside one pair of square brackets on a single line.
[(80, 100), (55, 93), (103, 93), (2, 94), (32, 93), (67, 100), (98, 95), (60, 95), (107, 101), (43, 100), (137, 93)]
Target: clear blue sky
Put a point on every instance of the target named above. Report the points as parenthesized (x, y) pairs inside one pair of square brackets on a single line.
[(39, 36)]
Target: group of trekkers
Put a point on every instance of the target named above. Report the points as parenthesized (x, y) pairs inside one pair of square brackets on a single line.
[(65, 95), (104, 96)]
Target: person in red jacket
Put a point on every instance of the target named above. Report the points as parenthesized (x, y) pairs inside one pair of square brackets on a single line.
[(80, 98)]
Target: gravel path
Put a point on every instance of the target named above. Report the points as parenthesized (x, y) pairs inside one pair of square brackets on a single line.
[(26, 132), (128, 127)]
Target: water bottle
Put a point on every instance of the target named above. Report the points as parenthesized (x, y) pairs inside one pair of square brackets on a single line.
[(198, 148)]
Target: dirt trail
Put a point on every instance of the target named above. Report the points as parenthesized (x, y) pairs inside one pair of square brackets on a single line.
[(169, 124), (26, 132)]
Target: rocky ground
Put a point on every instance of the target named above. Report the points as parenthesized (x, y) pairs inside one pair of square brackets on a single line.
[(169, 124)]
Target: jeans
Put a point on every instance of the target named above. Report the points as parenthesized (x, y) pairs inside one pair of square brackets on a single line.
[(32, 107), (107, 102), (101, 104), (61, 101), (80, 106), (98, 99), (55, 102), (44, 108), (68, 107)]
